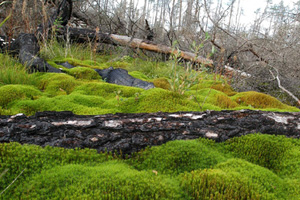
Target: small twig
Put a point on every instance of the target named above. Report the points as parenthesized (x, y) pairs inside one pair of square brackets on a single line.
[(12, 182), (281, 87), (4, 172)]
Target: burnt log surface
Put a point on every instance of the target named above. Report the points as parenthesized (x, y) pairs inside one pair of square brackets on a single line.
[(133, 132)]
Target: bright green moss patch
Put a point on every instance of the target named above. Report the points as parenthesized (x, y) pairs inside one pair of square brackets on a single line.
[(264, 150), (138, 75), (78, 104), (112, 180), (265, 180), (187, 169), (157, 99), (179, 156), (10, 93), (107, 90), (83, 73), (79, 63), (217, 184), (33, 159)]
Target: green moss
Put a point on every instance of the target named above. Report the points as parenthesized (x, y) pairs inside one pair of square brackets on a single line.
[(179, 156), (83, 73), (33, 159), (158, 99), (217, 184), (162, 83), (264, 150), (77, 103), (56, 84), (11, 93), (138, 75), (112, 180), (216, 85), (260, 101), (77, 63), (225, 102), (107, 90), (265, 180)]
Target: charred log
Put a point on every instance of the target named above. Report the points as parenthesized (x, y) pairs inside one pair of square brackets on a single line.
[(132, 132), (26, 47)]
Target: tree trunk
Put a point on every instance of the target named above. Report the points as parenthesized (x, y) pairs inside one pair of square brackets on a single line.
[(132, 132), (87, 35)]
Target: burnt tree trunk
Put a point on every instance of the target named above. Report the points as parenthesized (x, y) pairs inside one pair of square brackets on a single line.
[(132, 132)]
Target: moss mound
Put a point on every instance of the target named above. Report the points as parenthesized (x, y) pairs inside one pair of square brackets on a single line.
[(162, 83), (179, 156), (11, 93), (107, 90), (217, 184), (264, 150), (216, 85), (258, 100), (83, 73), (157, 99), (33, 159), (192, 169), (265, 180), (112, 180)]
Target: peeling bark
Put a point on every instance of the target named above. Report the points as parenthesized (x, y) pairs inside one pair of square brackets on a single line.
[(132, 132)]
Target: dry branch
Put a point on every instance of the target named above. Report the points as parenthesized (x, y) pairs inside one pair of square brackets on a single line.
[(87, 35)]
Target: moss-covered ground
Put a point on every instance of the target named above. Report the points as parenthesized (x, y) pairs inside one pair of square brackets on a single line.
[(250, 167), (82, 91)]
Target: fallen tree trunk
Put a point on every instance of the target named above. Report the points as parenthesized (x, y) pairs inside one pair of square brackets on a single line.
[(88, 35), (132, 132)]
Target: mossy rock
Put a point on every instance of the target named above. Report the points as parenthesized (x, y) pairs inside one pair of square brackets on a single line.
[(112, 180), (83, 73), (260, 101), (162, 83), (218, 184), (10, 93), (176, 157)]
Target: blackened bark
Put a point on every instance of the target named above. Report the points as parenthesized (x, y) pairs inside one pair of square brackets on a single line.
[(132, 132)]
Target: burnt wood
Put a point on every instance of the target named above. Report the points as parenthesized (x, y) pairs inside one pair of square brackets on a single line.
[(132, 132)]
